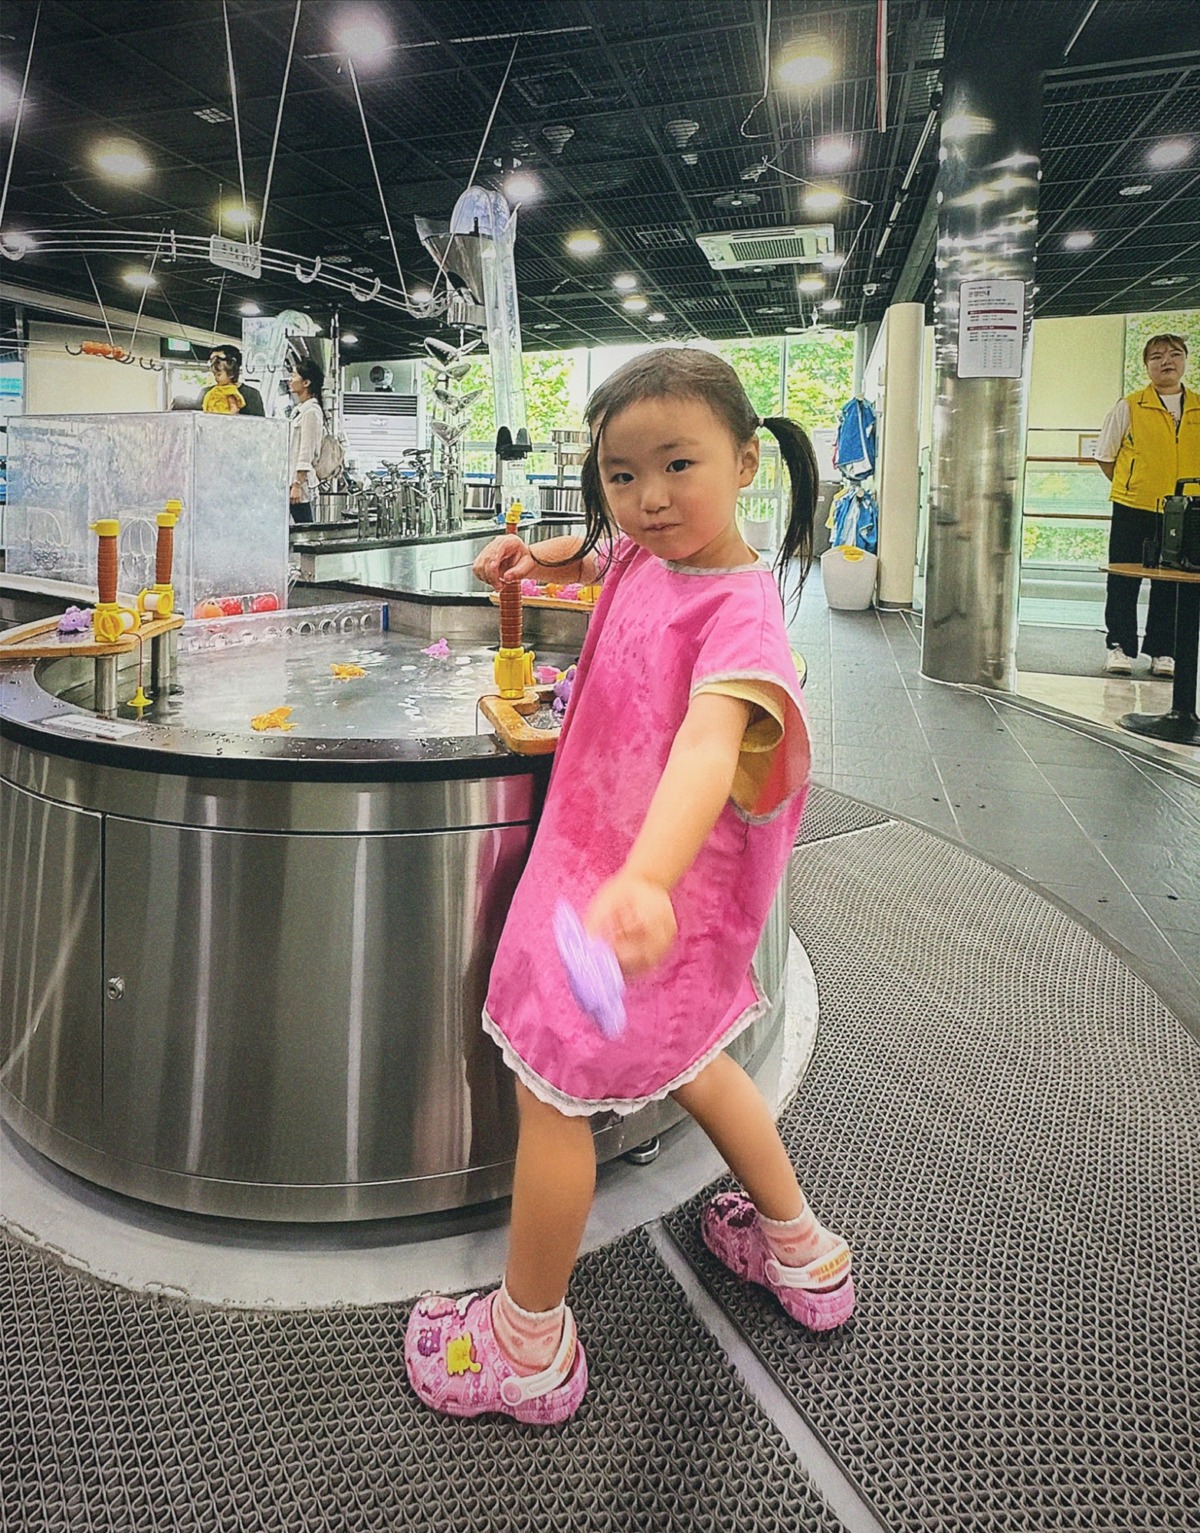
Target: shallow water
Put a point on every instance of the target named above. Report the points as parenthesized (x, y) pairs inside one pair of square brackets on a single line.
[(404, 694)]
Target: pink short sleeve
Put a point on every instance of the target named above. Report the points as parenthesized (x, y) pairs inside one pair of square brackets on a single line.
[(745, 639)]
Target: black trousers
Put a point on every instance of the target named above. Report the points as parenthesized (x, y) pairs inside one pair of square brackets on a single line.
[(1126, 540), (301, 510)]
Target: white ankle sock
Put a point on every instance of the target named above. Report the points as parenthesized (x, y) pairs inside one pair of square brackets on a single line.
[(796, 1242), (528, 1338)]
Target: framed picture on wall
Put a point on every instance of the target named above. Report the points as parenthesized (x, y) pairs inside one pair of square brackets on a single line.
[(1088, 442)]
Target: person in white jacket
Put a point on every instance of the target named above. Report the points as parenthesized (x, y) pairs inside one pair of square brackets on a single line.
[(307, 433)]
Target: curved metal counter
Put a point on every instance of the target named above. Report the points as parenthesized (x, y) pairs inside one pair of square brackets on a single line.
[(242, 974)]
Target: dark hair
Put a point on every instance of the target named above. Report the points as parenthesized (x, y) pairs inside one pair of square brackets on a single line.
[(231, 354), (1163, 340), (677, 372), (312, 375)]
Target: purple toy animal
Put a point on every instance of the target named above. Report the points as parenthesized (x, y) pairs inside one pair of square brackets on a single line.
[(562, 692), (75, 620)]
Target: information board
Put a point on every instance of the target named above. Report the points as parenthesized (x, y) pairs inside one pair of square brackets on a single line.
[(991, 324)]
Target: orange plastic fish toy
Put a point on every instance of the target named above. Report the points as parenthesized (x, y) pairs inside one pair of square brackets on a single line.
[(276, 719), (346, 672)]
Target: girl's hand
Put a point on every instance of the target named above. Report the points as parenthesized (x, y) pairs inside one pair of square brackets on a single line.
[(504, 559), (637, 919), (296, 494)]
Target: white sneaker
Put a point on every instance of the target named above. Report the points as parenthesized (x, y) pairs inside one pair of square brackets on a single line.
[(1118, 662), (1162, 665)]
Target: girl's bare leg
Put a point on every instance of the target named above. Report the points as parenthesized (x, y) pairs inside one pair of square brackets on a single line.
[(552, 1193), (727, 1105)]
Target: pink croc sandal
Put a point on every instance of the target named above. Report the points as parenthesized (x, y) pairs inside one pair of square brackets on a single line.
[(733, 1234), (456, 1366)]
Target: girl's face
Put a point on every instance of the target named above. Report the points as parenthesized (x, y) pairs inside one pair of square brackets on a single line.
[(671, 473), (298, 386)]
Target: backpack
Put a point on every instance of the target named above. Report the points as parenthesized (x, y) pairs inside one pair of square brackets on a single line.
[(330, 458)]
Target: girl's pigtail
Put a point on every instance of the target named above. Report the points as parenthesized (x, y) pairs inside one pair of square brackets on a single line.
[(797, 452)]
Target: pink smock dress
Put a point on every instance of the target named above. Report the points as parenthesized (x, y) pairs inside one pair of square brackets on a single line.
[(660, 633)]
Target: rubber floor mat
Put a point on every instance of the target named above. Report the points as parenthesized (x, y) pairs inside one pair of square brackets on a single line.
[(1004, 1122), (833, 814), (122, 1414)]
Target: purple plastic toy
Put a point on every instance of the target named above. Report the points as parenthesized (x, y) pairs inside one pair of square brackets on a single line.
[(592, 970), (75, 620)]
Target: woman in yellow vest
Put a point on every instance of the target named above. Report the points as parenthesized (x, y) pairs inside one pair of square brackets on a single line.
[(1150, 439)]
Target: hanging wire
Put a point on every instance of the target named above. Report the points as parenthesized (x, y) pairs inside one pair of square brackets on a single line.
[(100, 301), (237, 126), (495, 109), (138, 317), (12, 148), (217, 310), (287, 70), (766, 90), (375, 170)]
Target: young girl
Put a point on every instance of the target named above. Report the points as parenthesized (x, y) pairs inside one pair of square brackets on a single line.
[(677, 789)]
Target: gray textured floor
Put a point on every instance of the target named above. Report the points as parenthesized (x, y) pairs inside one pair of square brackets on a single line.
[(1113, 835), (1003, 1122)]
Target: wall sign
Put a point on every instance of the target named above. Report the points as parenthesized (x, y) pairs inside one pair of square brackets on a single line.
[(991, 325)]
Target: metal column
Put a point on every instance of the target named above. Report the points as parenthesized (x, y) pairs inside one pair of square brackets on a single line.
[(987, 229)]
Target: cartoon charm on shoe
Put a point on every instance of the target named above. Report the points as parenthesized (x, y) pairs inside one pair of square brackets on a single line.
[(455, 1365), (819, 1295)]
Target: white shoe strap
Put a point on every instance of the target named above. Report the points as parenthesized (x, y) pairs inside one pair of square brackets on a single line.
[(813, 1276), (516, 1387)]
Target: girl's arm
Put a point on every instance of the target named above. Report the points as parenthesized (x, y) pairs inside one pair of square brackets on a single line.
[(633, 909), (510, 558)]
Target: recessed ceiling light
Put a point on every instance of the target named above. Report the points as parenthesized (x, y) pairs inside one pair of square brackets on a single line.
[(635, 303), (420, 295), (794, 329), (211, 114), (805, 61), (121, 160), (1166, 281), (585, 242), (811, 284), (349, 338), (522, 187), (546, 324), (249, 310), (657, 317), (830, 305), (236, 216), (771, 308), (737, 200), (1169, 153), (823, 199), (1138, 189), (364, 38), (833, 153), (625, 282), (834, 261), (1081, 239), (141, 279)]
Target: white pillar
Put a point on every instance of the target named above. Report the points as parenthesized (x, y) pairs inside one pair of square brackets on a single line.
[(898, 472)]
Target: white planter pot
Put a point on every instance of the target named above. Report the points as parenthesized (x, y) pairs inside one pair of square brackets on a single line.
[(756, 533)]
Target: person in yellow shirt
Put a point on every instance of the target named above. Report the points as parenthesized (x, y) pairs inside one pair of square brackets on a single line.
[(1149, 440)]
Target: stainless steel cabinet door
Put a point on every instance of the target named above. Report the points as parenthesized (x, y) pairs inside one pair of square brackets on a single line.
[(50, 973), (304, 1009)]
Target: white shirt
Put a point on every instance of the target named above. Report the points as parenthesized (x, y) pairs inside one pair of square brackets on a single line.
[(1116, 424), (304, 442)]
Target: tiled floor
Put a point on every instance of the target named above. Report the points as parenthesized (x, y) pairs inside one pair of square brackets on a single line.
[(1112, 834)]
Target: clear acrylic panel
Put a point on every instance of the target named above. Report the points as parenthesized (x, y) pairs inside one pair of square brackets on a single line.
[(66, 471)]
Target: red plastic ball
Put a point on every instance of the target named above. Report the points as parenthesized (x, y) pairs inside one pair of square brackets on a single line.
[(231, 606), (265, 601)]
